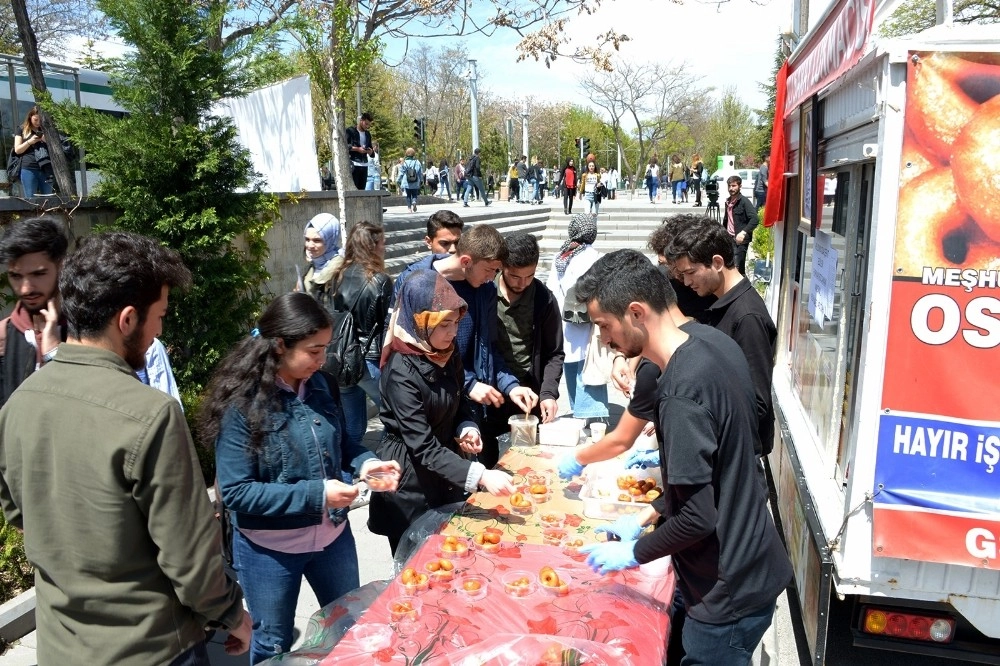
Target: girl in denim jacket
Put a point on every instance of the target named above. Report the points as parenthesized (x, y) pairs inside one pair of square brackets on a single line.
[(280, 451)]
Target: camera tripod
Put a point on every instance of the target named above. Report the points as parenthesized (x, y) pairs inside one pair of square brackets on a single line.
[(712, 211)]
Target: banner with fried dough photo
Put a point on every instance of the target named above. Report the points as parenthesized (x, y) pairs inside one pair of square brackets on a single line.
[(937, 477)]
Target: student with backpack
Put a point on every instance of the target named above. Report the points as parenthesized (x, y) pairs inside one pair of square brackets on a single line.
[(410, 177)]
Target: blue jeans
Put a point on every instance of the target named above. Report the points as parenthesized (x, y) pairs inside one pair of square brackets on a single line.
[(595, 206), (653, 184), (271, 582), (587, 402), (352, 399), (678, 192), (411, 196), (730, 644), (35, 181), (477, 182), (373, 183)]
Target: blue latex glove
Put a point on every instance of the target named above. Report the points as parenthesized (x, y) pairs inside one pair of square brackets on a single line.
[(610, 556), (569, 467), (626, 528), (643, 458)]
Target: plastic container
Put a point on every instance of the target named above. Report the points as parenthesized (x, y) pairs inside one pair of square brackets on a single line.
[(562, 588), (488, 540), (440, 571), (553, 536), (379, 482), (372, 637), (561, 432), (454, 548), (405, 608), (519, 584), (548, 518), (602, 498), (413, 581), (571, 546), (521, 504), (597, 431), (656, 569), (523, 430), (473, 587), (536, 479)]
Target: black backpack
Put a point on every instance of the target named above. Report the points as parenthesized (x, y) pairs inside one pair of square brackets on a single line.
[(345, 356), (13, 167), (411, 175)]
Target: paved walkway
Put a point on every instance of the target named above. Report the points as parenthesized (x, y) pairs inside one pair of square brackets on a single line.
[(373, 551)]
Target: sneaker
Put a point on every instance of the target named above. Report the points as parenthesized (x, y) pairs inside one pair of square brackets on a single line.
[(466, 204), (488, 203)]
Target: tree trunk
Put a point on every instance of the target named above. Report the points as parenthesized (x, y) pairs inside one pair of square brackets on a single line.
[(341, 168), (60, 167)]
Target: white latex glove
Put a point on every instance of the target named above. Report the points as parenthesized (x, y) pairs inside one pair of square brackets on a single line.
[(497, 482)]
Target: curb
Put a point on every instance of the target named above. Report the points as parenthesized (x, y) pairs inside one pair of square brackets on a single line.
[(17, 617)]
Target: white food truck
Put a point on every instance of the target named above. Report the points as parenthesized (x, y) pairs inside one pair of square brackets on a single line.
[(886, 295)]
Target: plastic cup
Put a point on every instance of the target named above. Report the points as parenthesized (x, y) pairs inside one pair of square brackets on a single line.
[(523, 430), (597, 431)]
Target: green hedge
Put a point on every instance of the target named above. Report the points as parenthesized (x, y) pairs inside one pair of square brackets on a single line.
[(16, 574)]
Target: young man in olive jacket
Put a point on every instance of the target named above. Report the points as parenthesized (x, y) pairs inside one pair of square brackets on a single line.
[(529, 332), (100, 473)]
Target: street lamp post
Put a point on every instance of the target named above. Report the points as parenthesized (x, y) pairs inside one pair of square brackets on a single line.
[(524, 128)]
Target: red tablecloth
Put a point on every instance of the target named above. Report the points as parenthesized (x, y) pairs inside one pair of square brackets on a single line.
[(618, 619)]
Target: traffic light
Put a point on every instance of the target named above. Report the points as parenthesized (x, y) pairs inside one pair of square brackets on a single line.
[(576, 142), (586, 146), (418, 129)]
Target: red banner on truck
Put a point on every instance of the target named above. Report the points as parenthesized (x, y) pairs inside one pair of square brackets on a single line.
[(844, 37)]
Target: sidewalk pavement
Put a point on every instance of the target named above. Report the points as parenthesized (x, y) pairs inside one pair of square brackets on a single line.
[(375, 560)]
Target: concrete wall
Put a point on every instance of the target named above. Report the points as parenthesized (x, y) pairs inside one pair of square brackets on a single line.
[(284, 238)]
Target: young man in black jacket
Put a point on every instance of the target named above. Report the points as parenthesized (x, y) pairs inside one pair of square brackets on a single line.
[(529, 327), (740, 219), (33, 251), (701, 255)]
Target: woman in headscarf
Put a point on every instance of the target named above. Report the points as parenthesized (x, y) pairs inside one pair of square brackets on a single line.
[(429, 429), (573, 259), (323, 252)]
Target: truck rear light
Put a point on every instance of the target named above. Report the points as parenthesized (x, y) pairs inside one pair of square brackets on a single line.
[(911, 626)]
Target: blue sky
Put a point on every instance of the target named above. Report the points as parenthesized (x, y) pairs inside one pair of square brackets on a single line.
[(728, 44)]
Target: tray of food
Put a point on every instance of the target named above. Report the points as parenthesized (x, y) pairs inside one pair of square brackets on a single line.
[(610, 493)]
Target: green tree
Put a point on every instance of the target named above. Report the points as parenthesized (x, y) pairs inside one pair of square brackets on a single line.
[(732, 130), (917, 15), (177, 172)]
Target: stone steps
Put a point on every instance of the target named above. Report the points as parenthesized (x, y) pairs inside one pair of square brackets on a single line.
[(621, 224)]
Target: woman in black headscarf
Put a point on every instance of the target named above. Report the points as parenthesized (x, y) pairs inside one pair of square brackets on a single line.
[(429, 429)]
